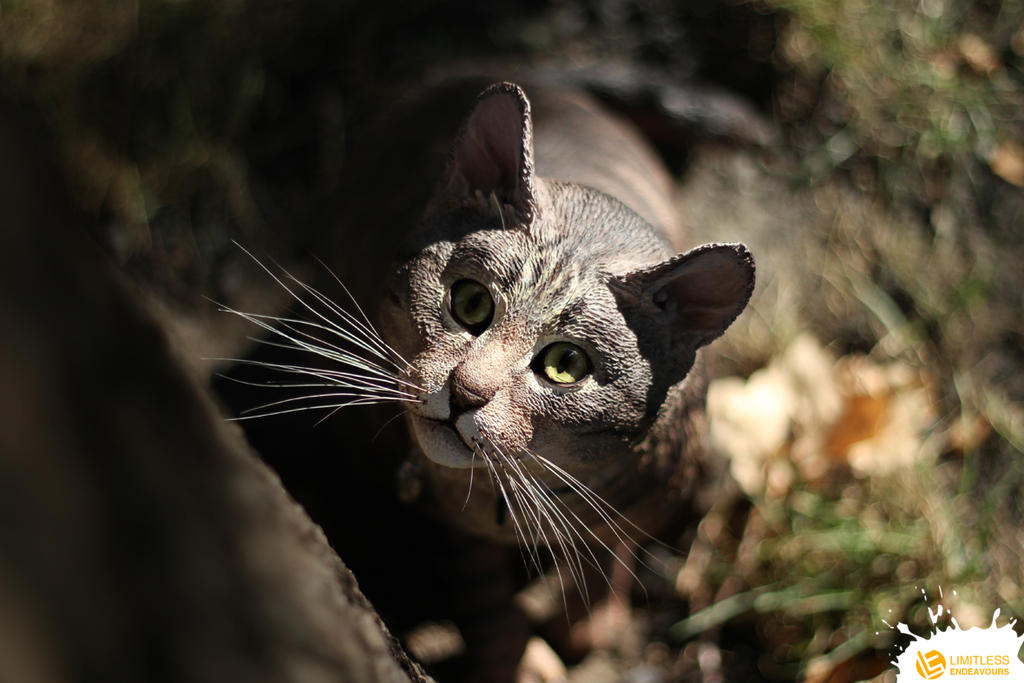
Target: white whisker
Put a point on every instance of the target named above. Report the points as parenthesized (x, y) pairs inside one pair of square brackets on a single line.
[(364, 326), (317, 345), (311, 397), (543, 513), (366, 369), (469, 489), (530, 554), (389, 421), (333, 406), (302, 301), (334, 377), (571, 525), (369, 386), (340, 356), (603, 508), (366, 342)]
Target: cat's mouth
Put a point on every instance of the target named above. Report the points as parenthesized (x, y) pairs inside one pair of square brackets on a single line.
[(443, 443)]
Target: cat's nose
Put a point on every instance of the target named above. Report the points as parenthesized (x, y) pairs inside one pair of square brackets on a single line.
[(461, 400), (469, 390)]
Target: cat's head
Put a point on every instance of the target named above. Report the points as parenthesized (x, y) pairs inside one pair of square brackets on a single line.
[(545, 317)]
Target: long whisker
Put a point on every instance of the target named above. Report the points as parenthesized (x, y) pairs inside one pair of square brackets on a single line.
[(372, 344), (340, 355), (366, 369), (331, 379), (547, 513), (605, 510), (365, 325), (469, 489), (599, 504), (571, 523), (355, 303), (529, 552), (335, 376), (304, 303), (333, 406), (389, 421), (529, 559), (330, 395), (290, 323), (316, 345), (374, 372), (537, 536), (530, 511)]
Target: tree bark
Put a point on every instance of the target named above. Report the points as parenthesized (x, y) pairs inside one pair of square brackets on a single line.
[(140, 538)]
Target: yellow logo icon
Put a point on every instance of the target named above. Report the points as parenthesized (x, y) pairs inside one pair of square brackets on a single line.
[(931, 665)]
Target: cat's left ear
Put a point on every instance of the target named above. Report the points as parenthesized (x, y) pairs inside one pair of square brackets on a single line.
[(492, 159), (698, 294)]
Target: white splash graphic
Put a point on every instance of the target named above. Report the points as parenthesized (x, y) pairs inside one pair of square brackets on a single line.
[(977, 655)]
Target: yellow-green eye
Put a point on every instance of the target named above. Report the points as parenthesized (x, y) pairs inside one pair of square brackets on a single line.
[(564, 363), (472, 305)]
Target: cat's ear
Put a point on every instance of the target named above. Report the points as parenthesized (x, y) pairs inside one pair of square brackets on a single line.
[(697, 294), (492, 160)]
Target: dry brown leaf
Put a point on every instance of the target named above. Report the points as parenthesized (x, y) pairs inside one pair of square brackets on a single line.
[(967, 435), (756, 422), (1017, 41), (891, 407), (1007, 162), (435, 642), (540, 664), (979, 54), (806, 413), (862, 418)]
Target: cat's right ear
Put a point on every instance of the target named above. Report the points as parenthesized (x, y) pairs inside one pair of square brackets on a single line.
[(697, 294), (492, 160)]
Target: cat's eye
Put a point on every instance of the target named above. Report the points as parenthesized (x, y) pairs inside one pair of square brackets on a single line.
[(472, 305), (564, 363)]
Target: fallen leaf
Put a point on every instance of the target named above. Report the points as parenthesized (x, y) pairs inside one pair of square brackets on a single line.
[(978, 54), (1007, 162), (806, 413), (863, 418)]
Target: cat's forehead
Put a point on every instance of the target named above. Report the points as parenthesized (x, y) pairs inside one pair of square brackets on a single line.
[(520, 266), (498, 255), (570, 244)]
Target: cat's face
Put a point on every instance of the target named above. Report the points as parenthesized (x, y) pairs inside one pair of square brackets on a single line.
[(543, 318), (519, 341)]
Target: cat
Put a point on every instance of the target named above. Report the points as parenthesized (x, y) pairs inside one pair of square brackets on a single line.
[(541, 324), (551, 327)]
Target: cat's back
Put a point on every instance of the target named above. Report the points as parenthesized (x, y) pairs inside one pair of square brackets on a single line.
[(579, 140), (399, 154)]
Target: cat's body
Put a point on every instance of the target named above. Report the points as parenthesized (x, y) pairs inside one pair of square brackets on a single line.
[(566, 219), (549, 326)]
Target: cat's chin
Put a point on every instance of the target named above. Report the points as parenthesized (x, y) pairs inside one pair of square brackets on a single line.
[(443, 445)]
